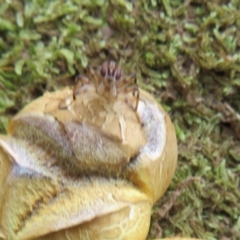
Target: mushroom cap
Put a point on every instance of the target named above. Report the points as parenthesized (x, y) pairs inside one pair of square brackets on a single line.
[(89, 168)]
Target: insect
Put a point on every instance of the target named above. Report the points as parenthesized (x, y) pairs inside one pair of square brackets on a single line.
[(109, 81)]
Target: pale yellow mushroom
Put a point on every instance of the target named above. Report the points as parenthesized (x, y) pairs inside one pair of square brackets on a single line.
[(84, 167)]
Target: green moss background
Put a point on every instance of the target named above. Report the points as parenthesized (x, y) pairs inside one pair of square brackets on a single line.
[(186, 53)]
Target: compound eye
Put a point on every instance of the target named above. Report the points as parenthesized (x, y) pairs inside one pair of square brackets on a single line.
[(104, 69), (118, 73)]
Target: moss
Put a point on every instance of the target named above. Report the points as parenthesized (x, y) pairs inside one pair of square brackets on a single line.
[(185, 52)]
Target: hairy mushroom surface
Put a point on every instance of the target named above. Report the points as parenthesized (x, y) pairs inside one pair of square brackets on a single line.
[(86, 163)]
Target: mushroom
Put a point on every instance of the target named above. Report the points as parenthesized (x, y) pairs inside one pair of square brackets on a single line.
[(86, 163)]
